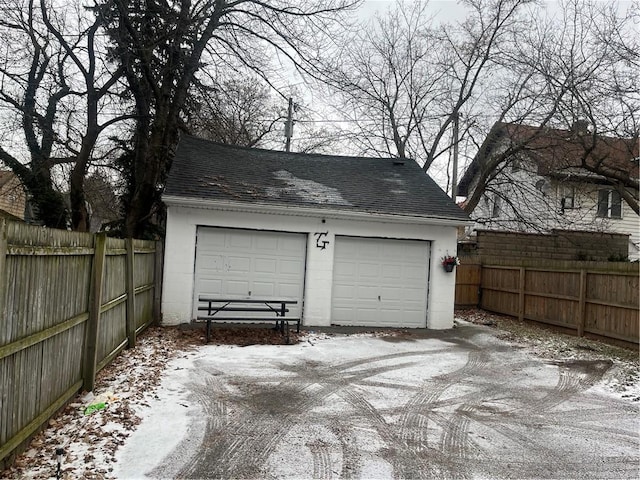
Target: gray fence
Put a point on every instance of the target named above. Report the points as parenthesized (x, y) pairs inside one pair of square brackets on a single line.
[(69, 303)]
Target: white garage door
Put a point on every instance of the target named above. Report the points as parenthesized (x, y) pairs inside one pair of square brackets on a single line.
[(380, 282), (250, 264)]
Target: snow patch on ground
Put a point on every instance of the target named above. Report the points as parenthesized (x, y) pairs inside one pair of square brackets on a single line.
[(139, 382), (623, 378)]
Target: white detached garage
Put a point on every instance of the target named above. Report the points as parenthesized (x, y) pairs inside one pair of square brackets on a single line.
[(355, 241)]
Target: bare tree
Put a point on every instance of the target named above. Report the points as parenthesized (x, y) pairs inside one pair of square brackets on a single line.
[(96, 78), (403, 80), (161, 46), (60, 101), (235, 112), (33, 89), (574, 69)]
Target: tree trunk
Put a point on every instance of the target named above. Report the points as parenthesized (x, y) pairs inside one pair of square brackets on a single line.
[(79, 213), (49, 202)]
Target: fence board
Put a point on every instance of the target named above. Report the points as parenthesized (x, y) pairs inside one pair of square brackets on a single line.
[(467, 284), (45, 285), (596, 301), (112, 330)]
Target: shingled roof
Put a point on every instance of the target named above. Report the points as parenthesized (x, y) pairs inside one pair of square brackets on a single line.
[(558, 152), (205, 170)]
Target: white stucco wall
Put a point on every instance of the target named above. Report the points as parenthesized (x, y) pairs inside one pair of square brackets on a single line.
[(183, 221)]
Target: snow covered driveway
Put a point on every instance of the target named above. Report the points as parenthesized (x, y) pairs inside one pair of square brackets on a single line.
[(455, 404)]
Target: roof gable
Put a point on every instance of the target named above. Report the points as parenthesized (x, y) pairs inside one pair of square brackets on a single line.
[(211, 171), (557, 151)]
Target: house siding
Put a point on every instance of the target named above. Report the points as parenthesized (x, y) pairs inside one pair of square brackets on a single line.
[(182, 223), (12, 196), (537, 200)]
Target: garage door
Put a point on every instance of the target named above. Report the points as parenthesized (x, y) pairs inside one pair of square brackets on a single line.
[(250, 264), (380, 282)]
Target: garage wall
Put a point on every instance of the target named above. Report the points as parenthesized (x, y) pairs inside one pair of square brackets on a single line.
[(182, 223)]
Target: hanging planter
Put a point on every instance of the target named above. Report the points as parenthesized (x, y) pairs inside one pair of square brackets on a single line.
[(449, 262)]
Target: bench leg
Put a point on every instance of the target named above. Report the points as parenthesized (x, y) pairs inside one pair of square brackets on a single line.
[(208, 330), (288, 340)]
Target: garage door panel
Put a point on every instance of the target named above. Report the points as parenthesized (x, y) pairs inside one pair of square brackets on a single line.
[(367, 292), (390, 294), (391, 272), (343, 314), (237, 264), (390, 252), (413, 272), (210, 242), (380, 282), (243, 263), (291, 245), (344, 269), (265, 265), (212, 262), (364, 314), (351, 250), (343, 291), (211, 286), (412, 293), (289, 267), (285, 290), (238, 241), (263, 289), (413, 319), (266, 244), (236, 287), (369, 271)]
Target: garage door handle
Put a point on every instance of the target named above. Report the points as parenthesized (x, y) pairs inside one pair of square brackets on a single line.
[(378, 297)]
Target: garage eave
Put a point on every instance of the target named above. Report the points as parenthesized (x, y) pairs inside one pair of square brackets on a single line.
[(302, 211)]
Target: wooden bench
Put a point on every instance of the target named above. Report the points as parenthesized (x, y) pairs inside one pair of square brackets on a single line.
[(215, 309)]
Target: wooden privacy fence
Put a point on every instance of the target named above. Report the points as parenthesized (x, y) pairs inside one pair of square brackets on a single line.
[(603, 301), (69, 303), (468, 283)]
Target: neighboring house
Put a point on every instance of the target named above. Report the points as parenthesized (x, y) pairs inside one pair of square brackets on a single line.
[(542, 179), (12, 196), (357, 241)]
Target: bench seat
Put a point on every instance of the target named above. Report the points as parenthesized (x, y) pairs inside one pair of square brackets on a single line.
[(283, 327), (216, 308), (241, 309)]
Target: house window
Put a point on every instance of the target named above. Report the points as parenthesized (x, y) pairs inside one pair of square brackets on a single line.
[(495, 211), (567, 198), (609, 204)]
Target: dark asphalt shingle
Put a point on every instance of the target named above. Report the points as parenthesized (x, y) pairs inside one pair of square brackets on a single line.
[(207, 170)]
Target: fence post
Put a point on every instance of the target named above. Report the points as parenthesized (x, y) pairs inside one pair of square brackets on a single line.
[(480, 285), (157, 282), (131, 295), (582, 302), (521, 294), (95, 303), (3, 273)]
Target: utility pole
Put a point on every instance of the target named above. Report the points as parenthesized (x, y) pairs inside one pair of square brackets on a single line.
[(288, 126), (454, 176)]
